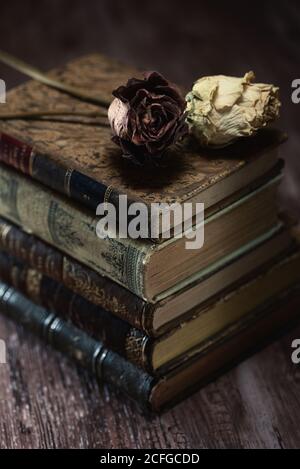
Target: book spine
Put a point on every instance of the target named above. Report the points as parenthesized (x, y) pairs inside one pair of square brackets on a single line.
[(97, 289), (105, 364), (72, 230), (23, 157), (116, 334)]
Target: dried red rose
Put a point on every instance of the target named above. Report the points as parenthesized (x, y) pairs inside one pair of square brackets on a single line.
[(146, 117)]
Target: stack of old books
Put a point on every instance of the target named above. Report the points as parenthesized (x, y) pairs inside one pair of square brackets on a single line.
[(152, 318)]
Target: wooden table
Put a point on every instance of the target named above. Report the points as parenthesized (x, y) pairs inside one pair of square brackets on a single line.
[(45, 402)]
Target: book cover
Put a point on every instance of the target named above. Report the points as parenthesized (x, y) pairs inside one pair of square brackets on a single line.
[(153, 394), (145, 268), (152, 318), (156, 356), (79, 159)]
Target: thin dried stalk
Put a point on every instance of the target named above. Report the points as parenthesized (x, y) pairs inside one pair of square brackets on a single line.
[(37, 114), (38, 75)]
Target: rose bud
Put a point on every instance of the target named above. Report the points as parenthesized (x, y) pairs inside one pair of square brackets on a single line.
[(221, 109), (146, 117)]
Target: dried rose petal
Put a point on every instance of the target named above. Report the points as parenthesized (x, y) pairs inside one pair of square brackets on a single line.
[(146, 117)]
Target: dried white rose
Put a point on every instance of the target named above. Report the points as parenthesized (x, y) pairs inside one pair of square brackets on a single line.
[(221, 108)]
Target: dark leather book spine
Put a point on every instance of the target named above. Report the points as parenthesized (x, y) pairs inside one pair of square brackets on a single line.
[(67, 181), (105, 364), (87, 283), (23, 157), (117, 335)]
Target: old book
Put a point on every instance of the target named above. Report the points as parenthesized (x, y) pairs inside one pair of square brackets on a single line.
[(150, 393), (147, 269), (152, 318), (156, 355), (78, 159)]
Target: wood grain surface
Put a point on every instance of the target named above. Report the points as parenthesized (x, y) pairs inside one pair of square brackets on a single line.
[(44, 401), (47, 403)]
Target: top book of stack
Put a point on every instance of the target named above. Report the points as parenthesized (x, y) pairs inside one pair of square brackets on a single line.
[(79, 159)]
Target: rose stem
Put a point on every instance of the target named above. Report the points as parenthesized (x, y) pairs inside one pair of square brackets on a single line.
[(43, 78), (32, 115)]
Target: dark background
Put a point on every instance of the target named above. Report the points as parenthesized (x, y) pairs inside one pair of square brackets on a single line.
[(182, 39), (46, 402)]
